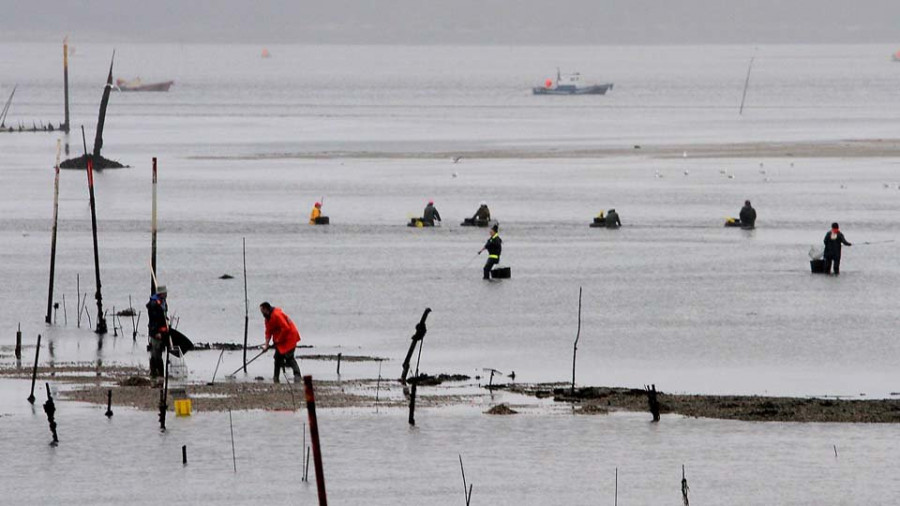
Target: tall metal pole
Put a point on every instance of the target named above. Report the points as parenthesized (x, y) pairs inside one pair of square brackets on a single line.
[(101, 321), (246, 304), (153, 233), (66, 82), (53, 237)]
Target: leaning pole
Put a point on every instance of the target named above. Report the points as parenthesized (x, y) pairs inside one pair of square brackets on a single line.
[(101, 321), (53, 236)]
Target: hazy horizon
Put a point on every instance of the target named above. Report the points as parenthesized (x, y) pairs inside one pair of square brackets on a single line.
[(489, 22)]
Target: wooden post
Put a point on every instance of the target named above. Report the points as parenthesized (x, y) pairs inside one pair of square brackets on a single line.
[(746, 85), (53, 234), (577, 336), (184, 455), (467, 489), (19, 343), (233, 455), (78, 297), (246, 303), (109, 412), (339, 364), (314, 438), (37, 353), (101, 320), (50, 409), (418, 336), (153, 233), (617, 487), (66, 86), (652, 401), (412, 405), (684, 488)]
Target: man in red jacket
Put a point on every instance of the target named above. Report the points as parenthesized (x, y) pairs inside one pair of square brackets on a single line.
[(284, 336)]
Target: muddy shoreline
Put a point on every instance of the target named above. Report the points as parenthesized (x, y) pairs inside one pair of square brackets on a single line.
[(131, 387)]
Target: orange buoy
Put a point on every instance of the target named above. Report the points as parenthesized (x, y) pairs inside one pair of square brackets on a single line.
[(548, 83), (265, 53)]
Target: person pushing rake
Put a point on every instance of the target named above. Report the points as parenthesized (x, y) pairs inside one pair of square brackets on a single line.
[(283, 334)]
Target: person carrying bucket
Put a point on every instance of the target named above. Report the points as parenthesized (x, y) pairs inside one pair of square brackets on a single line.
[(493, 246), (284, 336), (833, 241)]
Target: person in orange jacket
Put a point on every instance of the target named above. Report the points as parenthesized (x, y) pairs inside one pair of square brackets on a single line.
[(283, 334), (316, 212)]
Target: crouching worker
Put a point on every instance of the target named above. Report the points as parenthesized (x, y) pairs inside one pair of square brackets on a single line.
[(283, 334)]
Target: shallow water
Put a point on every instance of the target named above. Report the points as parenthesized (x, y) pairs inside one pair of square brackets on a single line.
[(672, 298)]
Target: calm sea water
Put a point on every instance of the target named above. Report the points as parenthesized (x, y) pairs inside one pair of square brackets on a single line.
[(672, 298)]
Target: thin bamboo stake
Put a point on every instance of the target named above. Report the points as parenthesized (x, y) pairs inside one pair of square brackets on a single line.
[(53, 234), (577, 337), (246, 303), (746, 85)]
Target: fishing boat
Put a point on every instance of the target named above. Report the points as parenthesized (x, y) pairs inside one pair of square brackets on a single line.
[(138, 85), (570, 84)]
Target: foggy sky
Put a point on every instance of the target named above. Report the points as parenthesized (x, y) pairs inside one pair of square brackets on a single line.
[(533, 22)]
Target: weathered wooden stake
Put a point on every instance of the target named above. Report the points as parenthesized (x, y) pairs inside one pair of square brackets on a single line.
[(378, 385), (577, 337), (339, 364), (109, 412), (19, 343), (78, 297), (153, 233), (306, 466), (101, 321), (37, 353), (66, 86), (65, 312), (50, 409), (684, 488), (246, 303), (467, 489), (314, 438), (617, 487), (133, 324), (233, 456), (53, 234), (412, 405), (184, 455), (652, 401), (746, 85), (418, 336), (303, 478)]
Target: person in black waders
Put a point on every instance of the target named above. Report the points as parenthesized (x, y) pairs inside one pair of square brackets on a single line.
[(833, 241), (158, 330), (493, 247)]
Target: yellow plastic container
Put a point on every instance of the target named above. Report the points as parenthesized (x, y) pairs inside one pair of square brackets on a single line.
[(182, 407)]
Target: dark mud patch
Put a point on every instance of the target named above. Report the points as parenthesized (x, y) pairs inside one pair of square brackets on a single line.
[(729, 407), (501, 409)]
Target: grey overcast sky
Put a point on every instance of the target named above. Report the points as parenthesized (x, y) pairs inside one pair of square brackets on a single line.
[(535, 22)]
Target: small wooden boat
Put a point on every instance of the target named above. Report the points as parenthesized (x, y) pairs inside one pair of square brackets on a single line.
[(138, 85)]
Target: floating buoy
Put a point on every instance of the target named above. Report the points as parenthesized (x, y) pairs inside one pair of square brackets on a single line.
[(265, 53)]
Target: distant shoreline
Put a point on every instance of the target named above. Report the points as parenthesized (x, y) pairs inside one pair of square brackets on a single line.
[(858, 148)]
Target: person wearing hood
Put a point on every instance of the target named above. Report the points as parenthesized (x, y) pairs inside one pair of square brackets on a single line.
[(316, 212), (493, 246), (748, 215), (612, 219), (483, 213), (430, 215), (158, 330), (283, 334), (833, 241)]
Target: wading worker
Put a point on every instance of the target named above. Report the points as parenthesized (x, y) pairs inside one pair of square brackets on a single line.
[(493, 246), (483, 213), (431, 214), (316, 212), (833, 241), (284, 336), (748, 215), (158, 330)]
